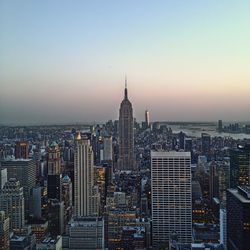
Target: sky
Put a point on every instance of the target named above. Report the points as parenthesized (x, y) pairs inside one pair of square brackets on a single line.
[(66, 61)]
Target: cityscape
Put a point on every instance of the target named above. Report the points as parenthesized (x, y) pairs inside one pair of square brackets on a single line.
[(94, 158)]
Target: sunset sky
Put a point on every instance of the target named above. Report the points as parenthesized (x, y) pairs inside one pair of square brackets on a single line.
[(65, 61)]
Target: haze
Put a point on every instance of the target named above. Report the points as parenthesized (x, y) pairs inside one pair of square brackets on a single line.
[(65, 61)]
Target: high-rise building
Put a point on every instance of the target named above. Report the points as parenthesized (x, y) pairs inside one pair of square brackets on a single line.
[(240, 166), (107, 148), (181, 140), (126, 159), (220, 126), (171, 197), (54, 172), (67, 198), (87, 232), (22, 150), (205, 143), (188, 144), (238, 218), (147, 118), (86, 202), (12, 203), (3, 177), (24, 170), (56, 217), (4, 231), (223, 227)]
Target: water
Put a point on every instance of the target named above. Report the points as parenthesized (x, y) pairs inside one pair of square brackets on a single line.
[(195, 131)]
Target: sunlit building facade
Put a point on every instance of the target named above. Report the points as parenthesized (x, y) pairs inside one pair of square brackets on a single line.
[(171, 197)]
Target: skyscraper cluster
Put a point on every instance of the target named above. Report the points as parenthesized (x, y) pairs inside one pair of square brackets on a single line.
[(123, 185)]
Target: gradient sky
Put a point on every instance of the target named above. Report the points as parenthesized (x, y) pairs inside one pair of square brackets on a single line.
[(65, 61)]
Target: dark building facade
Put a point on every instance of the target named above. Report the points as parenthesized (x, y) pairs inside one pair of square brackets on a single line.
[(22, 150), (239, 166), (205, 143), (126, 159), (54, 172), (238, 218)]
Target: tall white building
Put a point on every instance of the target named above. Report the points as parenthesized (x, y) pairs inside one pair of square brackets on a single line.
[(107, 148), (86, 199), (12, 203), (171, 197)]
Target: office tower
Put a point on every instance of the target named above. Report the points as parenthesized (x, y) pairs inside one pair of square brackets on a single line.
[(101, 181), (126, 159), (181, 140), (171, 197), (147, 118), (3, 177), (56, 217), (67, 198), (238, 218), (4, 231), (12, 203), (213, 182), (107, 148), (205, 143), (239, 166), (37, 202), (223, 227), (23, 170), (220, 128), (39, 199), (188, 144), (54, 172), (86, 202), (22, 150), (84, 231), (50, 243)]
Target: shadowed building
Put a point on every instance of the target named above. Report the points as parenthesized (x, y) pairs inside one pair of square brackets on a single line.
[(239, 166), (22, 150), (238, 218), (126, 159)]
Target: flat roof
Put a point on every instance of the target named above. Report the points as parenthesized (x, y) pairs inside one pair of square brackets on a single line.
[(169, 154)]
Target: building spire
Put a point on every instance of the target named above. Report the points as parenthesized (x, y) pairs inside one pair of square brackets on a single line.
[(126, 89)]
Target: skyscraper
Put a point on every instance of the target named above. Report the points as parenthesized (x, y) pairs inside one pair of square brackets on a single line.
[(22, 150), (107, 148), (126, 159), (3, 177), (205, 143), (12, 203), (86, 202), (54, 172), (147, 118), (239, 166), (238, 218), (4, 231), (24, 170), (220, 126), (171, 197)]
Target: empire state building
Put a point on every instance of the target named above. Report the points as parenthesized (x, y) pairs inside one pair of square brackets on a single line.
[(126, 159)]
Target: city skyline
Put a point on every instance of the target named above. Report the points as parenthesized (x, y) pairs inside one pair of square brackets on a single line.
[(64, 62)]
